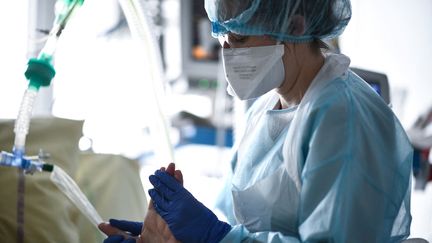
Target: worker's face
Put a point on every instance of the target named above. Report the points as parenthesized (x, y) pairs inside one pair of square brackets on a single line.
[(232, 40)]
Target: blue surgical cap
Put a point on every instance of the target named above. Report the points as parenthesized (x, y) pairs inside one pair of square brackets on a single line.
[(285, 20)]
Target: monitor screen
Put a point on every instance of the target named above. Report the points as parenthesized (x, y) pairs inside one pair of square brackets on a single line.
[(376, 86), (378, 82)]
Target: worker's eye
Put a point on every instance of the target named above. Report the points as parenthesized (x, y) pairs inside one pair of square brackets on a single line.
[(237, 38)]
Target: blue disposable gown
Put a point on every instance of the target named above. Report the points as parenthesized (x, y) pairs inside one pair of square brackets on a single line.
[(335, 168)]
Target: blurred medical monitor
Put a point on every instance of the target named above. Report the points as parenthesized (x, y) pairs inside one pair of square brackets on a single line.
[(378, 81), (200, 51)]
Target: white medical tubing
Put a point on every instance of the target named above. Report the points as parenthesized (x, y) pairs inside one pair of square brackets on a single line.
[(50, 47), (68, 186), (139, 25)]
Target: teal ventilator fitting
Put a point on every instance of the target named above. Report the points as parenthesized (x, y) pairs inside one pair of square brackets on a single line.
[(39, 72)]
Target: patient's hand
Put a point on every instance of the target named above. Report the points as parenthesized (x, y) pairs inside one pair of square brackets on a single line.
[(154, 229)]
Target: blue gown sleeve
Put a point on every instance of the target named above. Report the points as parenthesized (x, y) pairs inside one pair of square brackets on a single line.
[(224, 201), (239, 233), (356, 174)]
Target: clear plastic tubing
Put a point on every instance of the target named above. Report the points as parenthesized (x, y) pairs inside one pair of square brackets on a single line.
[(22, 122), (68, 186), (141, 30)]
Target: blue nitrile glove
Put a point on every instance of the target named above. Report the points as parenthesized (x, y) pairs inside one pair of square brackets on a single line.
[(188, 219), (134, 228)]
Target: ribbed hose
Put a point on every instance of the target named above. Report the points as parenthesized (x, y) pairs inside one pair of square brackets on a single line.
[(22, 122), (139, 23), (69, 187)]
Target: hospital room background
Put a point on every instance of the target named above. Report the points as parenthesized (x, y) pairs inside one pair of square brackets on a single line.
[(139, 84)]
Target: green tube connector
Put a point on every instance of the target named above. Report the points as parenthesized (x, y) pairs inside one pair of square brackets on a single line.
[(39, 72)]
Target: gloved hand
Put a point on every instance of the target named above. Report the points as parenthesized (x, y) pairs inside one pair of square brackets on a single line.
[(118, 231), (188, 219), (154, 229)]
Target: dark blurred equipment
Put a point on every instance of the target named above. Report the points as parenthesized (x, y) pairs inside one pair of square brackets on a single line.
[(421, 138), (200, 51), (378, 81), (197, 130)]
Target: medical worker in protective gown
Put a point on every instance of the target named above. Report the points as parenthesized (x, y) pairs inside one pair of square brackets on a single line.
[(322, 159)]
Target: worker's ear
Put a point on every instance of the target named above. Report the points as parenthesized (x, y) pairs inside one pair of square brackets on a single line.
[(298, 25)]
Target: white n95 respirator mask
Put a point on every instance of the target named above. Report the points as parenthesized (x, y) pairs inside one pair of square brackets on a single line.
[(253, 71)]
